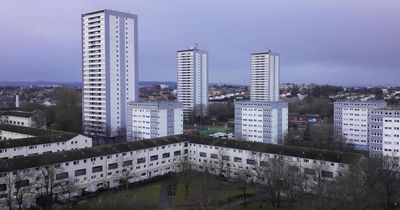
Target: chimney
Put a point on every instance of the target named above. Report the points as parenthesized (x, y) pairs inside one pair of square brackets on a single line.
[(17, 101)]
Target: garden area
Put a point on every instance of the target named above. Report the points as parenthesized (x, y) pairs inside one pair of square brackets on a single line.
[(198, 191)]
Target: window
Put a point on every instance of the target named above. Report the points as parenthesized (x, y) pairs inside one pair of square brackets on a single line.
[(141, 160), (3, 187), (63, 175), (251, 162), (203, 154), (80, 172), (309, 171), (127, 163), (154, 157), (97, 169), (225, 158), (166, 155), (214, 156), (237, 159), (112, 166), (327, 174), (177, 153), (23, 183)]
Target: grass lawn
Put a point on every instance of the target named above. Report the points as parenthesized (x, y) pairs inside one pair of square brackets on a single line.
[(210, 129), (255, 206), (221, 195), (144, 197)]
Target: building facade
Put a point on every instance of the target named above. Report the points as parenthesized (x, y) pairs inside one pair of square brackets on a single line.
[(260, 121), (19, 141), (17, 118), (109, 166), (192, 86), (351, 121), (384, 132), (154, 119), (109, 70), (265, 71), (264, 118)]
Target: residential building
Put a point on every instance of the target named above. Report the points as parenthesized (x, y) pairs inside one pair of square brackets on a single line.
[(384, 132), (192, 86), (20, 118), (264, 118), (261, 121), (19, 141), (101, 167), (154, 119), (351, 121), (109, 70), (265, 79)]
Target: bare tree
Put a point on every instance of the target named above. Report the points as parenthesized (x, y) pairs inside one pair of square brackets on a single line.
[(186, 175), (242, 181), (39, 119), (16, 183), (68, 187), (389, 178), (273, 174), (224, 166), (128, 171), (47, 183)]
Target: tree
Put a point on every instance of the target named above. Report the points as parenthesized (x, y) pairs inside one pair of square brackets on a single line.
[(242, 181), (46, 181), (16, 183), (186, 175), (68, 187), (273, 174), (39, 118), (127, 172), (68, 111)]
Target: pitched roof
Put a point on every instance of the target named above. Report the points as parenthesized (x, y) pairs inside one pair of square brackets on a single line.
[(71, 155), (28, 130), (12, 143), (17, 113)]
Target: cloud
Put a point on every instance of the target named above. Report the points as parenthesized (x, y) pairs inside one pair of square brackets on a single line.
[(358, 38)]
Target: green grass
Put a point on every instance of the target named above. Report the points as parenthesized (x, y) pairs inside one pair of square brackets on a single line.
[(222, 195), (210, 129), (145, 197), (255, 206)]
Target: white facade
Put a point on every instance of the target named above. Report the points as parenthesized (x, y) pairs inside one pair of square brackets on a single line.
[(44, 144), (351, 121), (384, 132), (98, 168), (109, 70), (261, 121), (192, 86), (154, 119), (265, 77), (17, 118)]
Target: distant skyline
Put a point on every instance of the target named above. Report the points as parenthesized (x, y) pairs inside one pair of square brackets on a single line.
[(350, 43)]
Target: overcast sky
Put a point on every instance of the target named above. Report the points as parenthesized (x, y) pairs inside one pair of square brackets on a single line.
[(345, 42)]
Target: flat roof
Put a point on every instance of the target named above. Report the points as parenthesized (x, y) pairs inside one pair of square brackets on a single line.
[(71, 155)]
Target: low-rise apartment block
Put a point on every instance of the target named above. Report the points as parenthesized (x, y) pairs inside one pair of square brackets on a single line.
[(110, 166), (384, 132), (351, 121), (154, 119), (19, 141), (261, 121), (20, 118)]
